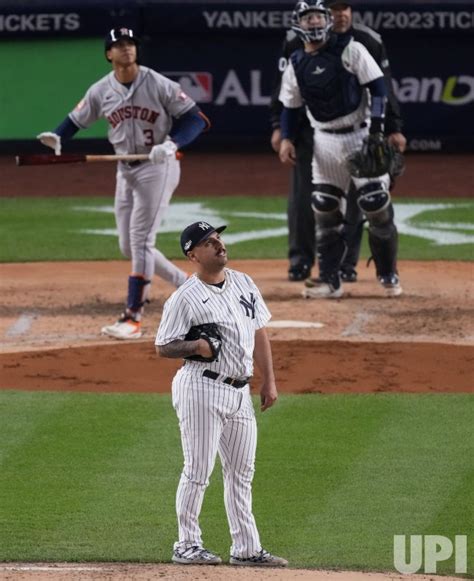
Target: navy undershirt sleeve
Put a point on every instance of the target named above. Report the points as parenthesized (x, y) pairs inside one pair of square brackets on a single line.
[(67, 129), (289, 122), (188, 127), (378, 93)]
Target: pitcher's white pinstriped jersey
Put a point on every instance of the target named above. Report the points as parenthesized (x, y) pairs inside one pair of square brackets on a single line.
[(237, 308), (140, 116), (357, 60)]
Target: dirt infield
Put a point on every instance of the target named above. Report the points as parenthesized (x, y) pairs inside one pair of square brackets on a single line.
[(149, 572), (364, 342)]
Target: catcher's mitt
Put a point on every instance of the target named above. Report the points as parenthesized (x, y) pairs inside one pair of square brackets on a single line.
[(210, 333), (376, 158)]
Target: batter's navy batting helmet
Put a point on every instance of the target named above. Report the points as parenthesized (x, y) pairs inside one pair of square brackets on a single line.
[(195, 233), (117, 34), (316, 33)]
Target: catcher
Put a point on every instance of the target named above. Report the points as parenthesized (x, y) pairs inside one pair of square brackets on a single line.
[(216, 322), (344, 94)]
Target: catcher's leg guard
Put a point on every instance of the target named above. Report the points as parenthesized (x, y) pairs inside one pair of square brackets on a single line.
[(328, 202), (352, 232), (374, 201)]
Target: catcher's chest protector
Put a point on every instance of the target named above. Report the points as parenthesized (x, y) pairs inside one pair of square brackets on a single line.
[(328, 89)]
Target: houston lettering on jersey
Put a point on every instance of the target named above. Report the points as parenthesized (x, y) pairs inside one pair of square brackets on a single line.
[(132, 112)]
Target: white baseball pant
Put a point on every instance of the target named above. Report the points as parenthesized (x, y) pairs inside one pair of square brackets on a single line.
[(215, 418)]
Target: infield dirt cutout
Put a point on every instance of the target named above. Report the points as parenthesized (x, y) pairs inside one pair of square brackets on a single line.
[(52, 313), (50, 320)]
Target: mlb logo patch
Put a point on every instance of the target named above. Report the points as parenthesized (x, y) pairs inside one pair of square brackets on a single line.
[(198, 85)]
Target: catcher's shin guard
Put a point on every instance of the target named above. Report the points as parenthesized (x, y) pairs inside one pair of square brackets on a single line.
[(373, 199), (326, 202), (332, 250), (383, 242)]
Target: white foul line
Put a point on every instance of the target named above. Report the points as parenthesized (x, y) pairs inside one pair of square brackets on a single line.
[(20, 326)]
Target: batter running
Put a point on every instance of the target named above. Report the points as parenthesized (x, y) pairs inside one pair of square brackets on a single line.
[(147, 113), (211, 393)]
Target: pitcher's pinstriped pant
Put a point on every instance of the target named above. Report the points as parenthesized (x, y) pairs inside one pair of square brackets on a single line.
[(215, 418)]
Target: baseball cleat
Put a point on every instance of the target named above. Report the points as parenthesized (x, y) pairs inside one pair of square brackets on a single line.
[(323, 288), (348, 274), (391, 284), (125, 328), (261, 559), (195, 556), (299, 272)]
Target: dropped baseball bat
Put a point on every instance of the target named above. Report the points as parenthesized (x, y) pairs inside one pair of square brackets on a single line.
[(48, 159)]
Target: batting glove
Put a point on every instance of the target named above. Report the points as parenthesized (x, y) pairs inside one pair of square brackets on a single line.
[(51, 140), (162, 152)]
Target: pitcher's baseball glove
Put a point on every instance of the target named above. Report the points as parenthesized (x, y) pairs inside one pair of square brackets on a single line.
[(376, 158), (210, 333)]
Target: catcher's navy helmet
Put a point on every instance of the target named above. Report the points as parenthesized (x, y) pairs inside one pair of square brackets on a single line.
[(117, 34), (316, 33)]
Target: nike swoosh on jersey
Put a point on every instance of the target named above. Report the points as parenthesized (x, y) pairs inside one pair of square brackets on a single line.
[(205, 300), (318, 70)]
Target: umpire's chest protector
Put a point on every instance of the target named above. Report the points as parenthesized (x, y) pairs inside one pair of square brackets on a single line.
[(327, 88)]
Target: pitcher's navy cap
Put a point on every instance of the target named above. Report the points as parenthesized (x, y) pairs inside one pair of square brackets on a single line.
[(195, 233)]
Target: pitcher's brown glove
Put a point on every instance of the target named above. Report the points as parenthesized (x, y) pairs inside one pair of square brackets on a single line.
[(210, 333), (376, 158)]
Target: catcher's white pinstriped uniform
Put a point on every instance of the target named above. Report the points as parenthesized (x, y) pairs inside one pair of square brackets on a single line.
[(332, 150), (215, 417)]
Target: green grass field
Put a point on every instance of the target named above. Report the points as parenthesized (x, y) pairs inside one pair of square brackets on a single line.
[(93, 477), (88, 477), (60, 228)]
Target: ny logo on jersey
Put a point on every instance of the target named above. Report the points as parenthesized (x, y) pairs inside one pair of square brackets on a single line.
[(249, 306)]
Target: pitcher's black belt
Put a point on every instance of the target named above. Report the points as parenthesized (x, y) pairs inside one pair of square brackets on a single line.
[(348, 129), (237, 383)]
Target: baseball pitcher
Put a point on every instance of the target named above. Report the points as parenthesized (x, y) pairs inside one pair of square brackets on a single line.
[(216, 322)]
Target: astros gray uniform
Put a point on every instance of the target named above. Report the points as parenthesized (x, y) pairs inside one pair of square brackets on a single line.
[(215, 417), (139, 117)]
